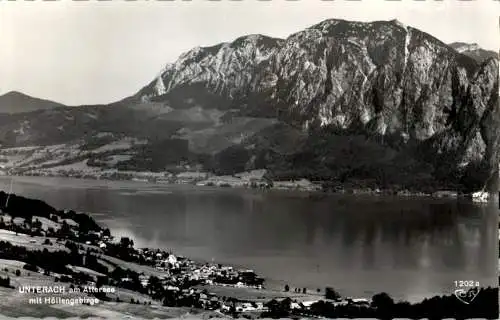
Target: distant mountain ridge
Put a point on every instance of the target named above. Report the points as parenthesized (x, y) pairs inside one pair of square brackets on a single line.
[(17, 102), (341, 101)]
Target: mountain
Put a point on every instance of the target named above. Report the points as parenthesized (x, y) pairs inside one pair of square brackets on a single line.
[(474, 51), (16, 102), (377, 103)]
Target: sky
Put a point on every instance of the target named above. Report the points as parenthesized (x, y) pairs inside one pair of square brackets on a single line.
[(92, 52)]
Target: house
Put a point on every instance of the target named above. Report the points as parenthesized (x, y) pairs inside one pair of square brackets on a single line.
[(18, 221), (71, 222), (203, 296), (339, 303), (171, 259), (446, 194), (308, 304), (192, 175), (303, 184), (359, 302), (480, 196), (246, 307), (295, 305), (171, 288), (95, 233), (260, 305)]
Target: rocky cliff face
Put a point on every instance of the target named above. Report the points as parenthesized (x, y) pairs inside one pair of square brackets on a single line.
[(385, 78), (226, 69), (474, 51)]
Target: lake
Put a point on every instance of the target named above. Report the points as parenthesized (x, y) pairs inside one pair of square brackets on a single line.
[(410, 248)]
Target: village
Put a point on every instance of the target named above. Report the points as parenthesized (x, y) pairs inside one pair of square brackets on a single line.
[(174, 280)]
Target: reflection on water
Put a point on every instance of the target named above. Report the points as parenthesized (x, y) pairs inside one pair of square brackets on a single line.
[(410, 248)]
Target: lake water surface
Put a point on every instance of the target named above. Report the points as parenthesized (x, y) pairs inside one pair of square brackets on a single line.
[(410, 248)]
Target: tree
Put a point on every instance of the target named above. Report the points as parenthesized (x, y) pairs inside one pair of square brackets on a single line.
[(18, 272), (287, 288), (30, 267), (5, 282), (125, 242), (286, 304), (106, 232), (65, 229), (382, 301), (232, 160), (37, 224), (304, 290), (331, 294)]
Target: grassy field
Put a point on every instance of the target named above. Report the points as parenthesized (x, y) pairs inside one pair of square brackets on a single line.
[(88, 271), (11, 264), (30, 243), (47, 223), (149, 271)]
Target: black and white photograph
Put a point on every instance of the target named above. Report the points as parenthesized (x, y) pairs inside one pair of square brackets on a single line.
[(197, 159)]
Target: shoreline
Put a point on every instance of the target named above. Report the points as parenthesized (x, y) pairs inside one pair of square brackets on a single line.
[(402, 194)]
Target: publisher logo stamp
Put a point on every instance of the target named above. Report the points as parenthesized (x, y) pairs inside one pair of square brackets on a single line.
[(467, 290)]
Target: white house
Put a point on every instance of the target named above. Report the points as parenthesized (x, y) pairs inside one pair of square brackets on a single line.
[(480, 196), (172, 259), (171, 288), (295, 305), (307, 304), (360, 301)]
